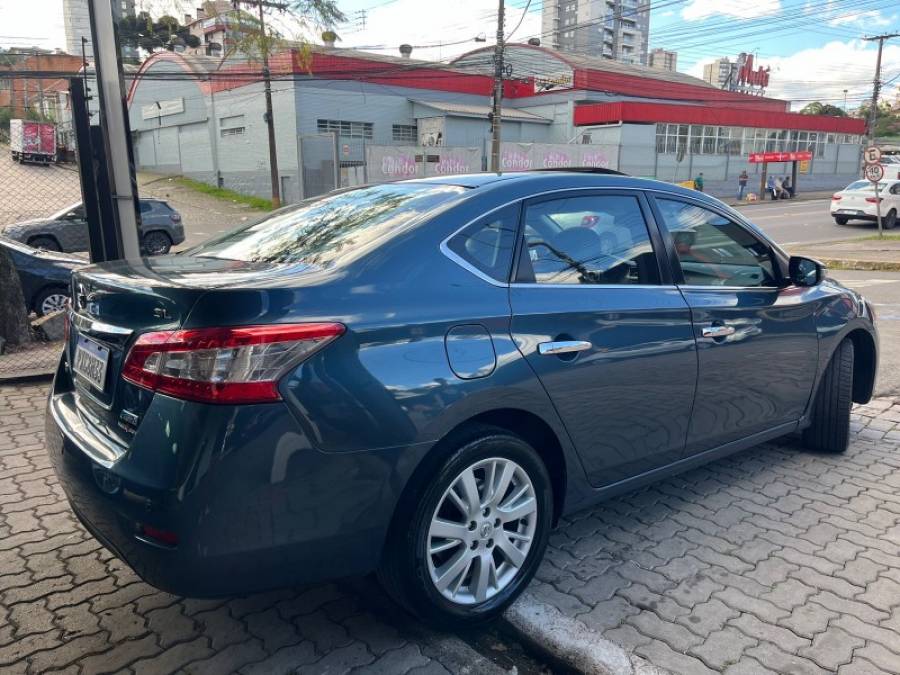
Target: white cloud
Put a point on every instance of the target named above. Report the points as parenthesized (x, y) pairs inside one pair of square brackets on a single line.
[(872, 17), (822, 73), (443, 24), (697, 10)]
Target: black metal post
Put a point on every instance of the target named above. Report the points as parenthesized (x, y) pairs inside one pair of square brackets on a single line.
[(89, 197)]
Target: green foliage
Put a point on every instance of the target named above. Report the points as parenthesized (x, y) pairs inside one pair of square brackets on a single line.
[(151, 35), (228, 195), (818, 108), (887, 122)]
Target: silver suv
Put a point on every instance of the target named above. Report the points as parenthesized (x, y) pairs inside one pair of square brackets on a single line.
[(67, 229)]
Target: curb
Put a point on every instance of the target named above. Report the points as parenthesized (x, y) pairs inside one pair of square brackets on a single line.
[(569, 642), (861, 265)]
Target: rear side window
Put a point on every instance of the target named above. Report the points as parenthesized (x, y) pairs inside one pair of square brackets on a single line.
[(320, 230), (594, 239), (488, 244)]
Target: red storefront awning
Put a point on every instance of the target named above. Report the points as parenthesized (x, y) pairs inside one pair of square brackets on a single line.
[(645, 113)]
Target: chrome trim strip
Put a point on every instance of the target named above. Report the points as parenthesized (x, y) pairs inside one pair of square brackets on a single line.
[(83, 323), (598, 286), (608, 188)]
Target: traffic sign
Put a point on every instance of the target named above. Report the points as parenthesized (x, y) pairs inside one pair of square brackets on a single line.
[(874, 172), (872, 155)]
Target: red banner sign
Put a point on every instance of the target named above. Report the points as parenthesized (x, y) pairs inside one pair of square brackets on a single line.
[(762, 157), (754, 78)]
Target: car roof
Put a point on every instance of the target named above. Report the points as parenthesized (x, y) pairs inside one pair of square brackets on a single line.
[(539, 181)]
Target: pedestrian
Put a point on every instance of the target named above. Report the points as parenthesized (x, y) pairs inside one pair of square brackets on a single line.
[(788, 186), (770, 186), (742, 184), (698, 182), (778, 192)]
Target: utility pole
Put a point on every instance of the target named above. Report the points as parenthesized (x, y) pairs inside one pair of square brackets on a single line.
[(267, 80), (876, 88), (498, 91), (845, 100)]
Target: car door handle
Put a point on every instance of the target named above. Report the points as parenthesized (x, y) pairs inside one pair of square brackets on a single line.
[(717, 331), (563, 346)]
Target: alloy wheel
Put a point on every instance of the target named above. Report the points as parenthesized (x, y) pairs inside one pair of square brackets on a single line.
[(481, 531), (53, 303)]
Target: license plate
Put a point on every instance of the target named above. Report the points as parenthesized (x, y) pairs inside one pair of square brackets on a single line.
[(91, 361), (849, 212)]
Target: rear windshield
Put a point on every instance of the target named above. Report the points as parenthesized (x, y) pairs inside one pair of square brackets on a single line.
[(319, 230), (866, 185)]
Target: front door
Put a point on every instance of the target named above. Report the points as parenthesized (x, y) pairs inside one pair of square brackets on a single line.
[(604, 328), (756, 338)]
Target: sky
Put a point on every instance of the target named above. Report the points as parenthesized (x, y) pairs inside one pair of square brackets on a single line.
[(813, 47)]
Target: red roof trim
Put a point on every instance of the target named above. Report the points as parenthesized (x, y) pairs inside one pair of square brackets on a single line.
[(628, 111)]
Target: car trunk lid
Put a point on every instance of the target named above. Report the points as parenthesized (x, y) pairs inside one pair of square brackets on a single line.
[(112, 304)]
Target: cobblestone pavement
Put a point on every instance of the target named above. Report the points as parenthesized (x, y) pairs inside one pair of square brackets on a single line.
[(773, 560), (67, 605)]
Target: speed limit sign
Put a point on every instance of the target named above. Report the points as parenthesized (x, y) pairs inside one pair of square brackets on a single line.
[(874, 172), (872, 155)]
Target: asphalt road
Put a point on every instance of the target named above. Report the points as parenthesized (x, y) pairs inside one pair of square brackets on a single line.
[(802, 222), (882, 289)]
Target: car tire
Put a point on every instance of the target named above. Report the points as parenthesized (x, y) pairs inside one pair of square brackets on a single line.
[(50, 300), (412, 563), (829, 429), (46, 243), (156, 243), (841, 220), (890, 220)]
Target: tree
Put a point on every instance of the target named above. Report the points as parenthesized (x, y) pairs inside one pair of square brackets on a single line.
[(14, 327), (151, 35), (818, 108), (887, 122)]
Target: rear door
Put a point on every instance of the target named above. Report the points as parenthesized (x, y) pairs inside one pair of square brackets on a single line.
[(756, 338), (605, 329)]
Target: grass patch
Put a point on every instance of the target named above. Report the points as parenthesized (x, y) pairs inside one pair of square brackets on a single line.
[(228, 195), (888, 236)]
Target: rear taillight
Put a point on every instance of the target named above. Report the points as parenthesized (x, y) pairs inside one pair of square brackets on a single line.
[(874, 200), (835, 198), (224, 365)]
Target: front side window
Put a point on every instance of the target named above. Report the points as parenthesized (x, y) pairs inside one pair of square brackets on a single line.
[(600, 239), (715, 251), (488, 244)]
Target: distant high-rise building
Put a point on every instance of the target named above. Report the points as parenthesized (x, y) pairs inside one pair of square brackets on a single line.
[(718, 73), (77, 23), (663, 59), (614, 29)]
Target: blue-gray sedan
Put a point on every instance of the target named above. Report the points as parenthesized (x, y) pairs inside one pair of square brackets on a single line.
[(420, 378)]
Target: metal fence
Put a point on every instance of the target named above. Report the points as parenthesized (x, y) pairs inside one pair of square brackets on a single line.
[(36, 200)]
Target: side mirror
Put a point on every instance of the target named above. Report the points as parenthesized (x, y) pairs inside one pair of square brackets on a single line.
[(805, 271)]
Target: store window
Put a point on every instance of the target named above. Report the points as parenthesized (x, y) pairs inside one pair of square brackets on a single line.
[(404, 133)]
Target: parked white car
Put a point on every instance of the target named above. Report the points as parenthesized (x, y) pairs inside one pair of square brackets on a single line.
[(857, 202)]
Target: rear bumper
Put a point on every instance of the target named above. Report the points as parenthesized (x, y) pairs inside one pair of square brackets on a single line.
[(252, 506), (855, 214)]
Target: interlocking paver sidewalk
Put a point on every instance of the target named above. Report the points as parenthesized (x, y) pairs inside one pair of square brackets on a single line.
[(69, 606), (774, 560)]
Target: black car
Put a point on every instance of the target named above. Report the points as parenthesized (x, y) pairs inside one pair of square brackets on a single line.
[(67, 230), (44, 275)]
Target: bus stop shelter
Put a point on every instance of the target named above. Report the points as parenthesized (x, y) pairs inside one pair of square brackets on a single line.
[(765, 158)]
